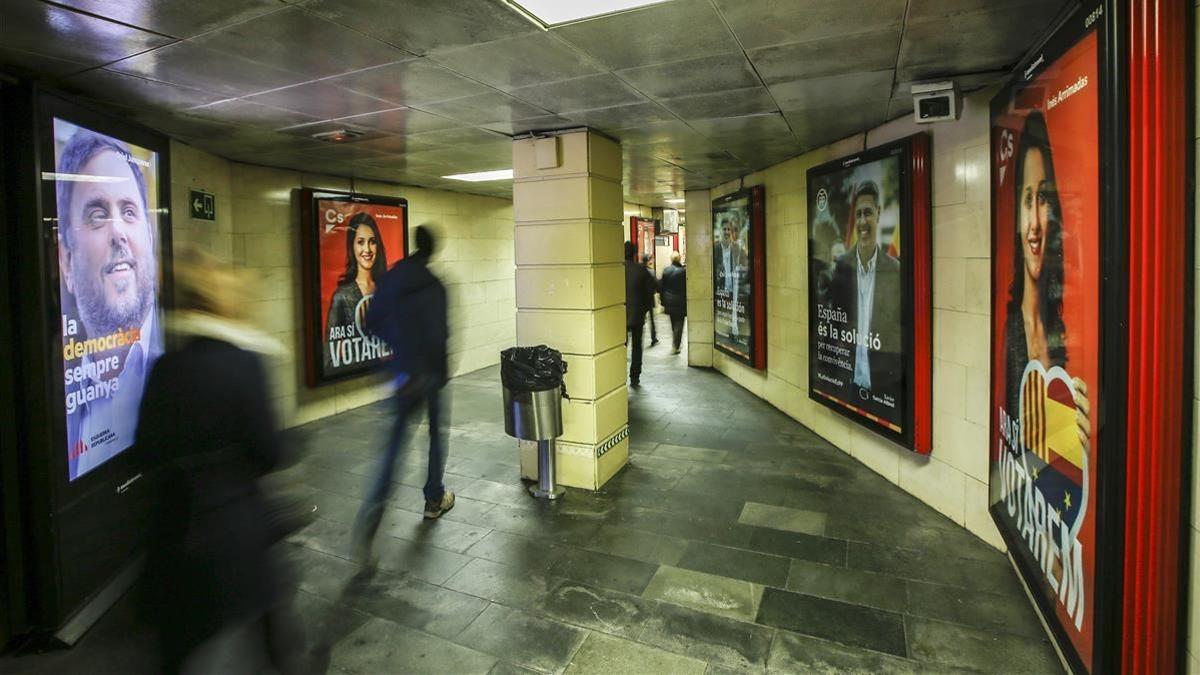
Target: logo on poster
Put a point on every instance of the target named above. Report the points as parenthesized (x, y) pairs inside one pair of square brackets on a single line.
[(333, 219), (1005, 153)]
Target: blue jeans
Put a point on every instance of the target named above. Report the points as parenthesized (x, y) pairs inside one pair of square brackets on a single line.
[(425, 389)]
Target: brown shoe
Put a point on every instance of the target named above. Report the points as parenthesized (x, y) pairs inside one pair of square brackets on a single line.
[(436, 509)]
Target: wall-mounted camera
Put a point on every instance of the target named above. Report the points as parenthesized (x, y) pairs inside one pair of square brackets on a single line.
[(935, 102)]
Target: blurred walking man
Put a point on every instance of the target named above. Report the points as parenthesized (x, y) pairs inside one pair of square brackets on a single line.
[(409, 313)]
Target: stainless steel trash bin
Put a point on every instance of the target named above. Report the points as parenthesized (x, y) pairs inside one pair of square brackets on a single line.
[(537, 416)]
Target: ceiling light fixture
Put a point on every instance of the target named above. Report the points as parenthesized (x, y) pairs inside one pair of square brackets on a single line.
[(674, 201), (480, 176), (557, 12)]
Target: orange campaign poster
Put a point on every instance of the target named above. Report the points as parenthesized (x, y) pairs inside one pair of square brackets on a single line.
[(1046, 223), (357, 239)]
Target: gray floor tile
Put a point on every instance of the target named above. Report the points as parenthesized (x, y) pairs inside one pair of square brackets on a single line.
[(991, 576), (442, 533), (783, 518), (378, 646), (796, 545), (510, 586), (735, 644), (523, 638), (690, 454), (606, 571), (708, 593), (638, 545), (759, 568), (416, 604), (982, 611), (792, 653), (597, 609), (604, 655), (987, 651), (842, 622), (422, 561), (531, 555), (848, 585)]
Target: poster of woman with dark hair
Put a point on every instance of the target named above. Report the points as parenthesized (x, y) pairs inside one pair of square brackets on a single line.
[(1045, 322)]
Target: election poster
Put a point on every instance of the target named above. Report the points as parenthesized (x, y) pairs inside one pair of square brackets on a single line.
[(354, 240), (859, 288), (109, 256), (1045, 361), (732, 287)]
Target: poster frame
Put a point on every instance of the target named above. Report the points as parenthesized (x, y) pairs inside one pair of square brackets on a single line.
[(311, 277), (68, 577), (916, 206), (757, 236), (1112, 357)]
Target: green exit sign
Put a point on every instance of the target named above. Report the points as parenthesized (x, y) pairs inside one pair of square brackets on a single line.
[(204, 205)]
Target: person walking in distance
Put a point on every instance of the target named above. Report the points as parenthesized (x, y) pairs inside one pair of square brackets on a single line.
[(409, 313), (673, 291), (650, 291), (637, 287)]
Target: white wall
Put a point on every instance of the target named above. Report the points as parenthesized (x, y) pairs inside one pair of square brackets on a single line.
[(953, 479), (257, 229)]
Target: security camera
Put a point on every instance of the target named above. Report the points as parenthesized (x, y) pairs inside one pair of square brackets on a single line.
[(935, 102)]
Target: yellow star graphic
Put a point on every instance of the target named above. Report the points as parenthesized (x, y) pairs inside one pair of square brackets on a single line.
[(1035, 473), (1067, 499)]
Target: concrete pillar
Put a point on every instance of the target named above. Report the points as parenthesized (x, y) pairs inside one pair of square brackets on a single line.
[(570, 290), (698, 204)]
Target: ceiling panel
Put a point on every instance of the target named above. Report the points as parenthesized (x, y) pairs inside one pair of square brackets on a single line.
[(966, 43), (582, 93), (422, 26), (179, 18), (708, 74), (294, 40), (517, 62), (192, 65), (48, 30), (670, 31), (404, 121), (321, 100), (245, 112), (698, 91), (622, 116), (494, 106), (413, 82), (35, 65), (825, 91), (762, 23), (540, 123), (732, 103), (108, 85), (834, 55)]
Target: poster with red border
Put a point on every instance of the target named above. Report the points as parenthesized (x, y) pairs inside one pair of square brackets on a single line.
[(1046, 359), (351, 240)]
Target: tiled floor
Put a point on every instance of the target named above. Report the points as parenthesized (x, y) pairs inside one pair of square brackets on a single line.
[(735, 541)]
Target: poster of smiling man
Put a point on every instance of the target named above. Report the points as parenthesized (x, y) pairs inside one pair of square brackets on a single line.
[(861, 289), (106, 193)]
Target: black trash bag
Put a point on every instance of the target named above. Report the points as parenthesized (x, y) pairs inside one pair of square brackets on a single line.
[(532, 368)]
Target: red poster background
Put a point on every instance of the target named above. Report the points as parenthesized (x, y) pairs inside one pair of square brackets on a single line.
[(331, 239), (1073, 126)]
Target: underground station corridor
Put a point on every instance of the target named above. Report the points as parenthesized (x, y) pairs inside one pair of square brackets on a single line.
[(735, 540), (622, 337)]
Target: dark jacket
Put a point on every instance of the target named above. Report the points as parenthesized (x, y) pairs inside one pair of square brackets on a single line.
[(638, 289), (674, 290), (409, 313), (887, 366), (207, 424)]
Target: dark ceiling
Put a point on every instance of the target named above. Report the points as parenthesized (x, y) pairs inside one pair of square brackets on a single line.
[(698, 91)]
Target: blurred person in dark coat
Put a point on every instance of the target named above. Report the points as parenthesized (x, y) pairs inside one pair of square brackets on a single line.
[(409, 313), (673, 291), (653, 288), (207, 420), (637, 289)]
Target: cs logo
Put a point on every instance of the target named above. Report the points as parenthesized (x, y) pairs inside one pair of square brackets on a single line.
[(333, 219)]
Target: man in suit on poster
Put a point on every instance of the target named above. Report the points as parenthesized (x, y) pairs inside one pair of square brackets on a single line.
[(730, 262), (866, 285)]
